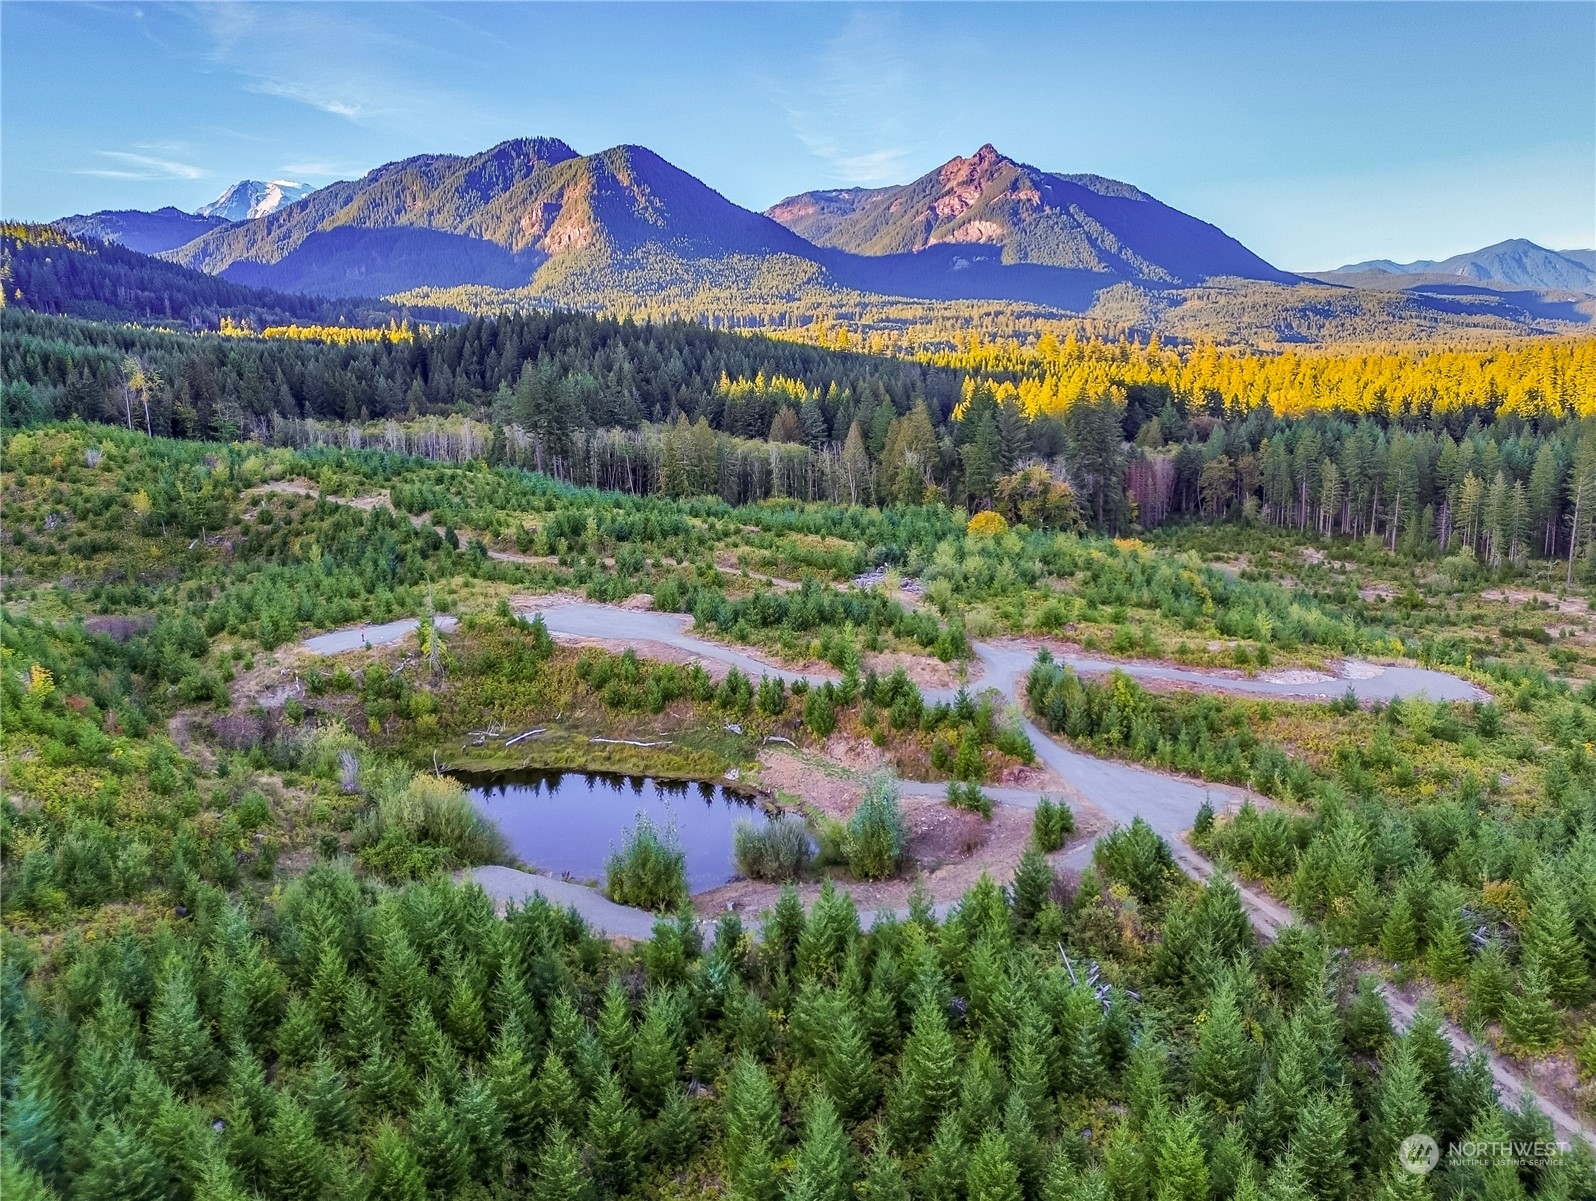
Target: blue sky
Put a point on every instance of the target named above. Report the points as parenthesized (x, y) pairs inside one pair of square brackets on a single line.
[(1315, 133)]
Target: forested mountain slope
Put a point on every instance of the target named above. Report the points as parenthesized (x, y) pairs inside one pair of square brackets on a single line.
[(495, 218), (47, 270), (983, 242), (1082, 222), (148, 233), (1516, 262), (533, 213)]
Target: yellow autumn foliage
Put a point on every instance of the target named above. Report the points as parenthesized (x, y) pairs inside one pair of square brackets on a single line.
[(987, 524)]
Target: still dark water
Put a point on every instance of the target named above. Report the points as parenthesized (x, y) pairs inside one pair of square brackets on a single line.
[(571, 821)]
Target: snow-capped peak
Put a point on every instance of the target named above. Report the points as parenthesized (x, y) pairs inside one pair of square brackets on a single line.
[(251, 198)]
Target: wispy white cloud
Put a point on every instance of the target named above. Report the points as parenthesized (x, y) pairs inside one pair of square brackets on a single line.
[(859, 99), (167, 146), (125, 164), (318, 170), (227, 131), (310, 94), (337, 60), (479, 30)]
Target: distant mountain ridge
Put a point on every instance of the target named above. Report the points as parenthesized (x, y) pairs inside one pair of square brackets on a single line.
[(147, 233), (80, 276), (251, 198), (168, 228), (533, 222), (496, 219), (1076, 222), (532, 212), (1517, 262)]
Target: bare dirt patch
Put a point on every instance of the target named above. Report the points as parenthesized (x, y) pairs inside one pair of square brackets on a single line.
[(1032, 778), (948, 849), (822, 785), (854, 753), (512, 556), (367, 503), (298, 486), (658, 652), (1548, 600), (925, 671)]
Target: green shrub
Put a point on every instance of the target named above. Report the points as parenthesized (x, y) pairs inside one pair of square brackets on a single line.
[(875, 833), (969, 796), (253, 811), (967, 761), (430, 824), (1012, 740), (772, 696), (820, 712), (831, 839), (735, 694), (435, 809), (1138, 858), (1052, 823), (778, 850), (394, 855), (649, 870)]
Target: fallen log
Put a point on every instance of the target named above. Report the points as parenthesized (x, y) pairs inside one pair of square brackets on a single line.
[(509, 742), (627, 742)]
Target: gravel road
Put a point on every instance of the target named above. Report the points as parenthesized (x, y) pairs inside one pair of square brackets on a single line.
[(1120, 790)]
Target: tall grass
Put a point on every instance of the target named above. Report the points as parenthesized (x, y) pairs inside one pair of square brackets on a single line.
[(777, 851), (428, 824), (875, 833), (649, 870)]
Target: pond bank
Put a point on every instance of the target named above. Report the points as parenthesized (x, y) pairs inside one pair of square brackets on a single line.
[(569, 823)]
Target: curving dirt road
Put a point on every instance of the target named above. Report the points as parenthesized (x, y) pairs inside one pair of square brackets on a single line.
[(336, 642), (1122, 791)]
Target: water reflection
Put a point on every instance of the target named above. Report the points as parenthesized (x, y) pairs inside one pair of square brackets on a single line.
[(563, 822)]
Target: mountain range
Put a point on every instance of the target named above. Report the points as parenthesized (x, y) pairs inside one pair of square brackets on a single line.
[(533, 213), (532, 221), (168, 228), (1517, 263), (495, 219), (1076, 222), (145, 232)]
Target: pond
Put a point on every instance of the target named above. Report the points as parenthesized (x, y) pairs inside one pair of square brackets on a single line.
[(562, 822)]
